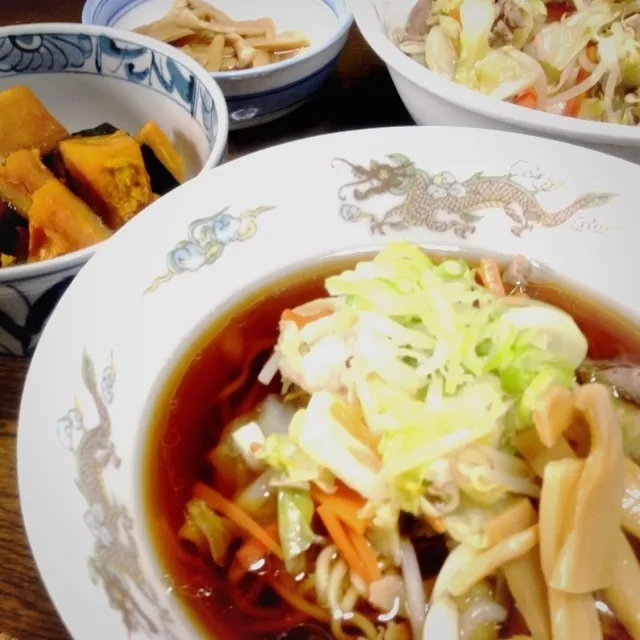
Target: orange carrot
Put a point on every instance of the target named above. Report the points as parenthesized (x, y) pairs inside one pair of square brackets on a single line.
[(252, 551), (345, 504), (527, 98), (220, 504), (353, 422), (491, 277), (342, 541), (367, 555), (302, 320), (572, 107), (455, 14), (557, 10)]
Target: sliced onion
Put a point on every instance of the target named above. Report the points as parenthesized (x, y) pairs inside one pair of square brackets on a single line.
[(581, 87), (480, 613), (609, 89), (274, 416), (270, 369), (416, 600), (254, 497)]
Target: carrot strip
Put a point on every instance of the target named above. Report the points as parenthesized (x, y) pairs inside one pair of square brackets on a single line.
[(572, 107), (491, 277), (252, 551), (367, 555), (301, 320), (342, 541), (220, 504), (455, 14), (353, 422), (345, 504), (527, 98)]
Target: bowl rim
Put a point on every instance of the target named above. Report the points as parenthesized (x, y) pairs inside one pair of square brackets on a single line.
[(344, 22), (369, 23), (70, 260)]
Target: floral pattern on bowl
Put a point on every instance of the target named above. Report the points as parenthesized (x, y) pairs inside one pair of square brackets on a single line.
[(90, 505), (105, 56)]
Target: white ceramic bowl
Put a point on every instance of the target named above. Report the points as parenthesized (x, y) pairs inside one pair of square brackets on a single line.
[(208, 245), (432, 99), (256, 96), (86, 76)]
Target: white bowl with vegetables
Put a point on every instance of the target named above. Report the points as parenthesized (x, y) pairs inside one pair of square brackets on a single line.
[(358, 403), (96, 124), (515, 66), (268, 56)]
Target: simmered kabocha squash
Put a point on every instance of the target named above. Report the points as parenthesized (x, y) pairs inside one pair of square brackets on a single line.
[(164, 164), (59, 222), (108, 173), (21, 176), (53, 161), (61, 192), (26, 124)]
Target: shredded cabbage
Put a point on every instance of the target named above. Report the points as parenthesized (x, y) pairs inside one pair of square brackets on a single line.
[(213, 527), (434, 364), (476, 18), (559, 43), (296, 469), (295, 512)]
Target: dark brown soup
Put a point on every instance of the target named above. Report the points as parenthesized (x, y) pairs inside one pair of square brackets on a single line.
[(190, 414)]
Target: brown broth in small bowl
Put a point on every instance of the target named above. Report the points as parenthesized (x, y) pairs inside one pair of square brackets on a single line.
[(216, 382)]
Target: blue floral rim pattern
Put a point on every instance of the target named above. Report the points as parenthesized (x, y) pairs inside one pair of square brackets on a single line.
[(104, 56), (108, 12)]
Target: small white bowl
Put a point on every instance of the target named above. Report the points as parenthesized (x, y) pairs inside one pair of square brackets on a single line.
[(256, 96), (86, 76), (432, 99)]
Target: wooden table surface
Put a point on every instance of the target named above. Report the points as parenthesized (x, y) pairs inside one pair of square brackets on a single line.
[(359, 95)]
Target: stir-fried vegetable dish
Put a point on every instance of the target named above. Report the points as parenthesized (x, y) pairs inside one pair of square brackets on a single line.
[(579, 59)]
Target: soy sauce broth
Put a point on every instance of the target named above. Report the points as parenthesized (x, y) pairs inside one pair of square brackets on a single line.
[(186, 422)]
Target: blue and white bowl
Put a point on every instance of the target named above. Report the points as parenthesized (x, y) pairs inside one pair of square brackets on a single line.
[(85, 76), (256, 96)]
